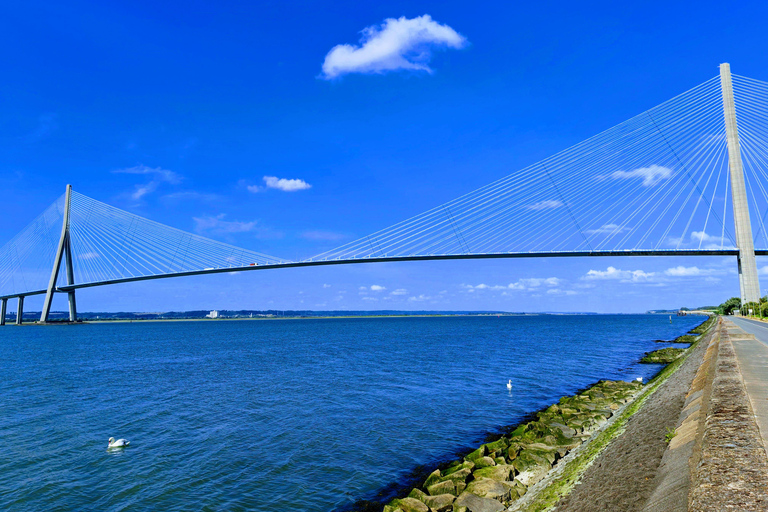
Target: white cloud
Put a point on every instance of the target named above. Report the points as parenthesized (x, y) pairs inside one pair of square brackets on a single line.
[(322, 235), (558, 291), (537, 281), (681, 271), (159, 175), (377, 288), (400, 291), (612, 229), (88, 256), (284, 184), (633, 276), (419, 298), (326, 286), (650, 175), (370, 298), (397, 44), (521, 284), (217, 224), (545, 205)]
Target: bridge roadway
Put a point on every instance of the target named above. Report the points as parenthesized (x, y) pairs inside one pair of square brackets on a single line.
[(752, 355), (390, 259)]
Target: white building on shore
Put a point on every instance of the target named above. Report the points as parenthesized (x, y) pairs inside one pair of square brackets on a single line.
[(212, 314)]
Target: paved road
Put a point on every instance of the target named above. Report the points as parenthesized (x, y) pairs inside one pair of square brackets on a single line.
[(753, 361)]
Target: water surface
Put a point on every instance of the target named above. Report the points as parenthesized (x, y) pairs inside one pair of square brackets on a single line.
[(280, 415)]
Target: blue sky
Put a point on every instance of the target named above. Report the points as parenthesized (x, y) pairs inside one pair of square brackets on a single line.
[(192, 113)]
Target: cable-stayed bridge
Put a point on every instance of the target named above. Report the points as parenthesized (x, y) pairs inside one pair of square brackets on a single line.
[(687, 177)]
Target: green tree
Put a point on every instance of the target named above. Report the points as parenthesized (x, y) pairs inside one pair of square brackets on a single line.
[(728, 306), (753, 306)]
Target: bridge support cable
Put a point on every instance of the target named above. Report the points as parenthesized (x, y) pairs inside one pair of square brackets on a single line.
[(648, 183), (747, 265), (651, 185)]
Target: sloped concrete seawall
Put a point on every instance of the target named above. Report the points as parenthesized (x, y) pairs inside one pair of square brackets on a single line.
[(717, 459)]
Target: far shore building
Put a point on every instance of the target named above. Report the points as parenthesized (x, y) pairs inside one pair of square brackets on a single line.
[(213, 314)]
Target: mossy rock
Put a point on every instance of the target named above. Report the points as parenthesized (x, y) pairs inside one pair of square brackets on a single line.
[(468, 501), (663, 356), (484, 462), (457, 476), (490, 488), (463, 465), (440, 503), (502, 473), (500, 460), (530, 467), (444, 487), (685, 338), (433, 477), (498, 445), (409, 505), (480, 452)]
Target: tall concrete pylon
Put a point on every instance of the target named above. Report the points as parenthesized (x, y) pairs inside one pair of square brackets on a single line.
[(64, 252), (748, 281)]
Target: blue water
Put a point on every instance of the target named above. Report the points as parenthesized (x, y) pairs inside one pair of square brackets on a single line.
[(280, 415)]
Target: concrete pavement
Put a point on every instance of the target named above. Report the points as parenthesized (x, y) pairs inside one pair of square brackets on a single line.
[(752, 355)]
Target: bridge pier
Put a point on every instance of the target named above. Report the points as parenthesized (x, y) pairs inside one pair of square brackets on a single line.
[(3, 307), (747, 265), (20, 310)]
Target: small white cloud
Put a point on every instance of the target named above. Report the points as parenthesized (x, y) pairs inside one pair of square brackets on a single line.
[(88, 256), (681, 271), (398, 44), (326, 286), (633, 276), (650, 175), (538, 281), (370, 298), (399, 291), (284, 184), (159, 175), (322, 235), (419, 298), (545, 205), (377, 288), (521, 284), (610, 229), (217, 224), (558, 291)]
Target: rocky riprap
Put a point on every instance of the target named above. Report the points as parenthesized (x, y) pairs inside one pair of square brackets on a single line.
[(490, 478), (663, 356)]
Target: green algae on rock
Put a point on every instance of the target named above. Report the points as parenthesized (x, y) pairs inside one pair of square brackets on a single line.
[(496, 474), (701, 329), (663, 356)]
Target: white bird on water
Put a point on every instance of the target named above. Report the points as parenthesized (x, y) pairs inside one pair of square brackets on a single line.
[(509, 385), (120, 443)]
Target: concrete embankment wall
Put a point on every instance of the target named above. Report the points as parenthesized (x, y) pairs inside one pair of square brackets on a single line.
[(717, 460)]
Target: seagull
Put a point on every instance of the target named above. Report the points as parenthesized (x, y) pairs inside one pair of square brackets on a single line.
[(509, 384), (120, 443)]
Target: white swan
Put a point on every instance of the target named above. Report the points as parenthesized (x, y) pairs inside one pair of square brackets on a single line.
[(509, 384), (120, 443)]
